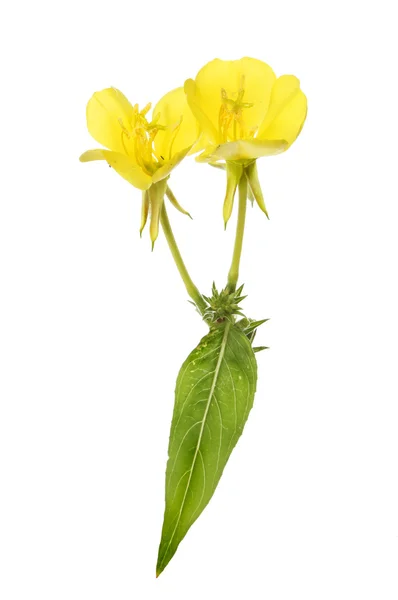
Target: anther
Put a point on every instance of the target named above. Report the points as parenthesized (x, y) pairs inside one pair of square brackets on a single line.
[(146, 109), (124, 129)]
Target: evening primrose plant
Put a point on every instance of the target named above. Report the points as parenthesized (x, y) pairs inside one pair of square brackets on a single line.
[(231, 114)]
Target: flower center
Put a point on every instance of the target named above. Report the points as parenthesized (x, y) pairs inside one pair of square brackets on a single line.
[(138, 138), (231, 115)]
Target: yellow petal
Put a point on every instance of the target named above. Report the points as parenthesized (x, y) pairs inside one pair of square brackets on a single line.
[(200, 145), (249, 75), (109, 115), (122, 165), (243, 150), (169, 165), (182, 129), (287, 111), (208, 156), (196, 104)]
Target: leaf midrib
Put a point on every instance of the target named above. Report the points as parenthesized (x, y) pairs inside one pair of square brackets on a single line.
[(197, 449)]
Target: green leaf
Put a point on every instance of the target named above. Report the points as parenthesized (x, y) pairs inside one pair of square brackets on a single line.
[(249, 325), (214, 394)]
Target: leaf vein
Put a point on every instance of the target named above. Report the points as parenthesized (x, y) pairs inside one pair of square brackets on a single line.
[(216, 373)]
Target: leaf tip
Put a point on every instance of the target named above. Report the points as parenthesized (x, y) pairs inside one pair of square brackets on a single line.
[(160, 567)]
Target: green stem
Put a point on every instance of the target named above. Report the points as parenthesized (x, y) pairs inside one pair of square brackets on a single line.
[(189, 284), (233, 274)]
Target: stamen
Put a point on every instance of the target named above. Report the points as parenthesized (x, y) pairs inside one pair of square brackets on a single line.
[(241, 91), (124, 128), (173, 136), (141, 135), (231, 113), (146, 109), (124, 132)]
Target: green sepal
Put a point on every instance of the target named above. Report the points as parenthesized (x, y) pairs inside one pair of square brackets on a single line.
[(213, 397), (144, 210), (250, 195), (234, 173), (260, 348), (175, 202), (254, 186), (156, 198)]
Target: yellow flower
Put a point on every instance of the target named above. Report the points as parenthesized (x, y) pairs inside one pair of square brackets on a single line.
[(142, 151), (244, 112)]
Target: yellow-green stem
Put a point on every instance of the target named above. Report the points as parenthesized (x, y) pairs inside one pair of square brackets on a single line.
[(189, 284), (233, 274)]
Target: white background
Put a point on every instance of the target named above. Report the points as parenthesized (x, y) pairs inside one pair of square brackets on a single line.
[(94, 326)]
